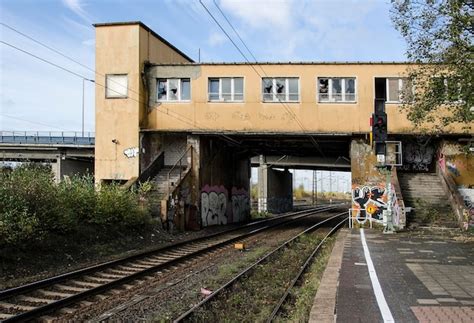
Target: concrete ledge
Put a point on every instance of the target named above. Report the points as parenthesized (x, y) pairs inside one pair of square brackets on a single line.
[(325, 300)]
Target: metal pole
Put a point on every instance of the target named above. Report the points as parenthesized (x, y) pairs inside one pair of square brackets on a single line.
[(83, 82)]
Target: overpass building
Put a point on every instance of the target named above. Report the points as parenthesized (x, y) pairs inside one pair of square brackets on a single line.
[(195, 128)]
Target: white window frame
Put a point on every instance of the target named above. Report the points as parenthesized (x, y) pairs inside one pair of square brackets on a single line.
[(446, 92), (287, 89), (232, 89), (387, 90), (116, 96), (178, 93), (331, 100)]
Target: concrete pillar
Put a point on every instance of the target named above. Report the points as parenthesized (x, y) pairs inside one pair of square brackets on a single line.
[(262, 185), (70, 167), (275, 189)]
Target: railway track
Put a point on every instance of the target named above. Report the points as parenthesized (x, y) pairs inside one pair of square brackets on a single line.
[(190, 314), (49, 295)]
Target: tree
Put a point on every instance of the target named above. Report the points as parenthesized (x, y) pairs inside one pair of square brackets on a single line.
[(439, 35)]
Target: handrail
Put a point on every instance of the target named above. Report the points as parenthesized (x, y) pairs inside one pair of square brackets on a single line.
[(47, 137), (179, 162), (457, 202)]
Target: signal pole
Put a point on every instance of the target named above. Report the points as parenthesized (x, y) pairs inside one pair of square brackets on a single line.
[(380, 135)]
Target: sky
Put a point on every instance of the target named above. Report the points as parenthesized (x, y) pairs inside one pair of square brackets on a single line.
[(38, 97)]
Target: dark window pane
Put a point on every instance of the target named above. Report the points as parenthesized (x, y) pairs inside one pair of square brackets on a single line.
[(185, 89)]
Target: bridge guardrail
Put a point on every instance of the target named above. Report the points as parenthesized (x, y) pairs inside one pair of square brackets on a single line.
[(47, 137)]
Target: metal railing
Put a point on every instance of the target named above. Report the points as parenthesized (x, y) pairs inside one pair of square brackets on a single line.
[(188, 154), (47, 137)]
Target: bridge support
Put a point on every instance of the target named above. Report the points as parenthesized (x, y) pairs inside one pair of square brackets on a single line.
[(70, 167), (275, 189)]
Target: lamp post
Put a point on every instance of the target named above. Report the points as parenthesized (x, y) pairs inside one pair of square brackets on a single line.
[(83, 86)]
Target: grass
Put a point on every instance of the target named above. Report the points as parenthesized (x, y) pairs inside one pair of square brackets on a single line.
[(299, 308), (252, 299)]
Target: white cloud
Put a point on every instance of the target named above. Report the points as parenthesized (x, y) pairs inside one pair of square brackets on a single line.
[(216, 39), (261, 14), (77, 6)]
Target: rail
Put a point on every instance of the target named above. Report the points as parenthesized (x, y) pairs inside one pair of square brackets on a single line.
[(130, 268), (47, 137), (179, 163), (241, 275)]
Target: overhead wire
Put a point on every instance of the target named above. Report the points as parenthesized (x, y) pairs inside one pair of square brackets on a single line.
[(173, 114), (287, 108)]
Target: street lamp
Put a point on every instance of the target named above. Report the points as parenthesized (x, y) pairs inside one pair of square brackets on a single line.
[(83, 82)]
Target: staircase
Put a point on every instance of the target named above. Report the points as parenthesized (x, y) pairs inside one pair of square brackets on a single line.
[(160, 181), (424, 193)]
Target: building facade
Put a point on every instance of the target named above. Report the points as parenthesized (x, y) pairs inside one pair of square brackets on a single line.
[(153, 103)]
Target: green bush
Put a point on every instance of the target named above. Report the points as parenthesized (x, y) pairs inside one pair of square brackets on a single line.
[(32, 205)]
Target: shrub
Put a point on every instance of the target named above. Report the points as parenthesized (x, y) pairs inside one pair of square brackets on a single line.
[(32, 205)]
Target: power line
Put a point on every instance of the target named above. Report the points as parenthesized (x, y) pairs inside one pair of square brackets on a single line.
[(33, 122), (287, 108), (235, 31), (46, 61), (188, 121), (63, 55)]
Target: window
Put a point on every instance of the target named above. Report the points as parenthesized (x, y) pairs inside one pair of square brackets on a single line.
[(336, 89), (174, 89), (449, 88), (226, 89), (276, 89), (393, 89), (116, 86)]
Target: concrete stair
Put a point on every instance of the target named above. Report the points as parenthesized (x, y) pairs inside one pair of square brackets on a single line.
[(160, 181), (425, 194)]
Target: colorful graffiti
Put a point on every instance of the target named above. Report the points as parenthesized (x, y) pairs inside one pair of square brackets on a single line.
[(452, 168), (214, 205), (240, 204), (418, 156), (369, 202)]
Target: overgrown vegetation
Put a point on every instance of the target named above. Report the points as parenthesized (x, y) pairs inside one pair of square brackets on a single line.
[(439, 36), (33, 207)]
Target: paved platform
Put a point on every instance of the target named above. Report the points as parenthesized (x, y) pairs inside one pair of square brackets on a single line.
[(402, 277)]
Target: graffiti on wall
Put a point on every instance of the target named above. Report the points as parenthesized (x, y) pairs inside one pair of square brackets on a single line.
[(131, 152), (214, 205), (418, 156), (452, 169), (240, 204), (468, 197), (369, 202)]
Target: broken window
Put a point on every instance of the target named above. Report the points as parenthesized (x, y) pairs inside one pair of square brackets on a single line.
[(280, 89), (162, 89), (336, 89), (116, 85), (226, 89), (393, 89), (174, 89)]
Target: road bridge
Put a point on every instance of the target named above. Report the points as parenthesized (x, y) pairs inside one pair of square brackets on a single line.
[(68, 153)]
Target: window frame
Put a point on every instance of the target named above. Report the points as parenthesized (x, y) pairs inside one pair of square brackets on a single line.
[(232, 89), (343, 88), (400, 88), (179, 100), (107, 86), (287, 93)]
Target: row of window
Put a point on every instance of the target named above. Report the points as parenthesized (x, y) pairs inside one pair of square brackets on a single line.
[(274, 89)]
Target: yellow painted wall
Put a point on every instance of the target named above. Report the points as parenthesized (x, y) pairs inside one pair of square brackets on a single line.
[(255, 115), (123, 49)]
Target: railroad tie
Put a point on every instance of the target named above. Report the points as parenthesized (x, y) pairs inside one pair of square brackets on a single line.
[(71, 288), (54, 294), (35, 299), (23, 308), (86, 284)]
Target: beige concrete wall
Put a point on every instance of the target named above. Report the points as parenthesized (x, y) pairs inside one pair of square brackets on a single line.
[(254, 115), (123, 49)]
